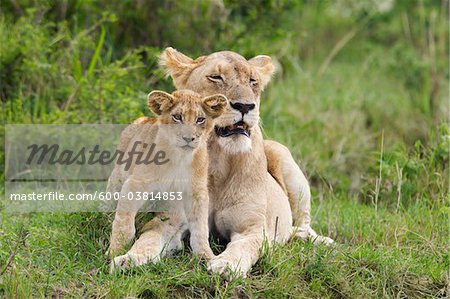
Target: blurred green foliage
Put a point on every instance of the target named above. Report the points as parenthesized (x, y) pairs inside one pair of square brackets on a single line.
[(358, 67)]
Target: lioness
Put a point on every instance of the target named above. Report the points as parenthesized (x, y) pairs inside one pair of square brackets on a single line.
[(256, 189), (184, 122)]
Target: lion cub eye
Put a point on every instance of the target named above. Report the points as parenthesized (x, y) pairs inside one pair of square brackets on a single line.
[(253, 82), (215, 78), (200, 120), (177, 118)]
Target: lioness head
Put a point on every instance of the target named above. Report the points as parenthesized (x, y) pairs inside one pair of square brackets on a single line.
[(228, 73), (187, 108)]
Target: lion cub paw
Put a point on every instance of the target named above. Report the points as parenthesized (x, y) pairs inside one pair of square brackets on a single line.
[(127, 261), (323, 240), (206, 255), (226, 268)]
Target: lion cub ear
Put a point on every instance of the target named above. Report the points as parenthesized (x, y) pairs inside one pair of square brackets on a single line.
[(215, 105), (160, 101), (264, 66)]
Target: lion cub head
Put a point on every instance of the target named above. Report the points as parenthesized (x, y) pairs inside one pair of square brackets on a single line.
[(190, 116), (228, 73)]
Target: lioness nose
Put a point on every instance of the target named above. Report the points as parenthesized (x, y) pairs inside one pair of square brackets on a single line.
[(243, 108), (188, 139)]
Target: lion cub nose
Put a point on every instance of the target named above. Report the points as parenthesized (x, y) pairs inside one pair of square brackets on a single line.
[(188, 139), (243, 108)]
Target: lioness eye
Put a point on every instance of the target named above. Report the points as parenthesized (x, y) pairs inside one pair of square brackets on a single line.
[(200, 121), (215, 78), (177, 117)]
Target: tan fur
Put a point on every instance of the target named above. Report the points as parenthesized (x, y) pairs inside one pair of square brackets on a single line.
[(191, 107), (247, 202)]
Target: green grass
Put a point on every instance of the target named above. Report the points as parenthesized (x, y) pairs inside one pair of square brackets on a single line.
[(371, 132), (380, 254)]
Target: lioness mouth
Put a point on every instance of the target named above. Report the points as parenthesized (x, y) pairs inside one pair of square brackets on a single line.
[(238, 128)]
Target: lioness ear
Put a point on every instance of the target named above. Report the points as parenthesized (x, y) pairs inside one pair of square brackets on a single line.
[(160, 101), (215, 105), (178, 66), (265, 68)]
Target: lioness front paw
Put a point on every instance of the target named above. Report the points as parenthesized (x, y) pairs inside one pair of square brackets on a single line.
[(227, 268), (128, 261)]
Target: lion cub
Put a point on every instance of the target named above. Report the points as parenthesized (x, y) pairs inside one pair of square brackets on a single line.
[(182, 126)]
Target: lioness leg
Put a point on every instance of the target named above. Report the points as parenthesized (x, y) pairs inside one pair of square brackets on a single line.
[(282, 167), (240, 255), (161, 236), (244, 225), (288, 174), (249, 229)]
